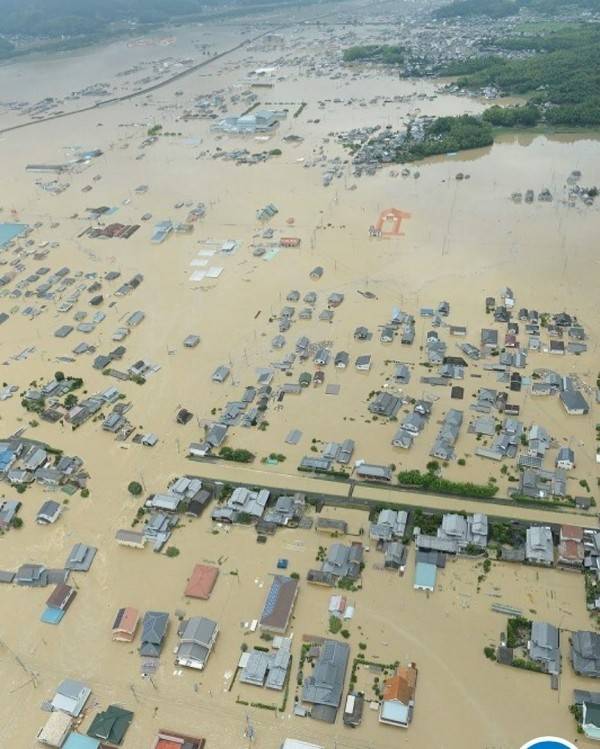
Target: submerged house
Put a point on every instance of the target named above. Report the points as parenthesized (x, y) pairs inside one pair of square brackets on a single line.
[(71, 697), (585, 653), (268, 670), (198, 637), (125, 624), (202, 581), (242, 502), (397, 706), (466, 531), (544, 646), (57, 603), (539, 546), (342, 562), (385, 404), (390, 525), (443, 447), (279, 604), (154, 631), (323, 688)]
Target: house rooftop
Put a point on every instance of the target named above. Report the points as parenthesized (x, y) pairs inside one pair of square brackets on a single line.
[(279, 604), (202, 581)]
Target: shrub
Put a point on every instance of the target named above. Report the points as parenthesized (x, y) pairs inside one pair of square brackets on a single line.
[(85, 492), (429, 481), (135, 488), (335, 625), (490, 653), (70, 400), (237, 456), (345, 634), (16, 522), (173, 551)]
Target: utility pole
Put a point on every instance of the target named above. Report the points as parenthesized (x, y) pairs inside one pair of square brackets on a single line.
[(249, 733)]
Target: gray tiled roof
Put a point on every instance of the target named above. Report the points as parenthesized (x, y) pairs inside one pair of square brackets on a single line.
[(326, 683)]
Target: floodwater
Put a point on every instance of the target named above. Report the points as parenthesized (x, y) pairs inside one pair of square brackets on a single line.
[(464, 240)]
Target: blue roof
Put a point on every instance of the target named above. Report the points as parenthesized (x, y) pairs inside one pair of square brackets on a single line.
[(6, 457), (425, 575), (52, 616), (394, 711), (79, 741), (9, 231)]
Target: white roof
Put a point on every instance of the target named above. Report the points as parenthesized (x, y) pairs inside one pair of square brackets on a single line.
[(350, 703), (56, 729), (297, 744)]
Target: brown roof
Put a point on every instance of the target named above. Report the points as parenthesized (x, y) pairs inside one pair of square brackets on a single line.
[(571, 550), (571, 532), (402, 685), (126, 620), (202, 581), (172, 740), (279, 603), (61, 597)]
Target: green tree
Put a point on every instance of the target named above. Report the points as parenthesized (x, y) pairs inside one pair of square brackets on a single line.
[(135, 488), (335, 625)]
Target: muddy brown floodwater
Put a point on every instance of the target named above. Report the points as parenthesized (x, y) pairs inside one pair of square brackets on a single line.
[(464, 240)]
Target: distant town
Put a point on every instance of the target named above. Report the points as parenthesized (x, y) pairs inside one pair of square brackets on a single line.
[(299, 412)]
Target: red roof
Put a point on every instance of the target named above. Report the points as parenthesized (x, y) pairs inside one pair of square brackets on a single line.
[(126, 621), (402, 685), (571, 550), (571, 532), (171, 740), (202, 581)]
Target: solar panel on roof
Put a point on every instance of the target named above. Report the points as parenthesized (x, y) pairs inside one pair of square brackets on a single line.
[(272, 597)]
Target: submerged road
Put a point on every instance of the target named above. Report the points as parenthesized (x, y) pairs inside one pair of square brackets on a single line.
[(142, 91), (160, 84), (337, 491)]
